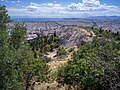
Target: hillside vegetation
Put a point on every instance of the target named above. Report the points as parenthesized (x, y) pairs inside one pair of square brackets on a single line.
[(19, 69), (78, 58)]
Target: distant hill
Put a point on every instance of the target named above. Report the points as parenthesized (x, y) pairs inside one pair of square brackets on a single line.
[(33, 19), (105, 17), (96, 17)]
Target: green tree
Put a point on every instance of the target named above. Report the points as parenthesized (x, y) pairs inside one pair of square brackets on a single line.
[(18, 35), (7, 79), (61, 52), (29, 69), (47, 47), (95, 66), (4, 17), (18, 67)]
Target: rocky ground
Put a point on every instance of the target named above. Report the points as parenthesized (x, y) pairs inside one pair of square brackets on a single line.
[(74, 36)]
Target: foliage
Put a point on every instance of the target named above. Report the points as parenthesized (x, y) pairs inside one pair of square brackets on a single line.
[(4, 17), (18, 35), (7, 79), (28, 67), (71, 49), (44, 44), (95, 66), (18, 67), (61, 52)]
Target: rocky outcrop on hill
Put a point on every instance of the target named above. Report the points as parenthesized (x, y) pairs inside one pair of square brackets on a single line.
[(74, 36)]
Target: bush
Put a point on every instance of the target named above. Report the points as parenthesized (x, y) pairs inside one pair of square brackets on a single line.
[(61, 52), (45, 59), (95, 66), (70, 50)]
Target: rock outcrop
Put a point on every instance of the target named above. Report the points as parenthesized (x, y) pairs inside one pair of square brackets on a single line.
[(74, 36)]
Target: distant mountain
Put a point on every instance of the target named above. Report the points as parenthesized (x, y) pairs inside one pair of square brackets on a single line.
[(104, 17), (37, 19), (96, 17), (33, 19)]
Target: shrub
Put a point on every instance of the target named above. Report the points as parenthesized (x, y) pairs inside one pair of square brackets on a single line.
[(95, 66), (61, 52)]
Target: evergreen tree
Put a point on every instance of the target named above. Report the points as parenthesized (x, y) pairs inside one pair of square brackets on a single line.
[(18, 35), (18, 67)]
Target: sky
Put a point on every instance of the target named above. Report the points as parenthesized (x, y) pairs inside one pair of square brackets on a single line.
[(61, 8)]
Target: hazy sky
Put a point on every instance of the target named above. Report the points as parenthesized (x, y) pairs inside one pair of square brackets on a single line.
[(62, 8)]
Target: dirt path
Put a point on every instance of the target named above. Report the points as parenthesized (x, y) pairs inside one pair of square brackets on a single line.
[(54, 64), (58, 62), (51, 54), (55, 61)]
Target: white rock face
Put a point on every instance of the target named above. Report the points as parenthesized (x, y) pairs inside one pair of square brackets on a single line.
[(73, 37)]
